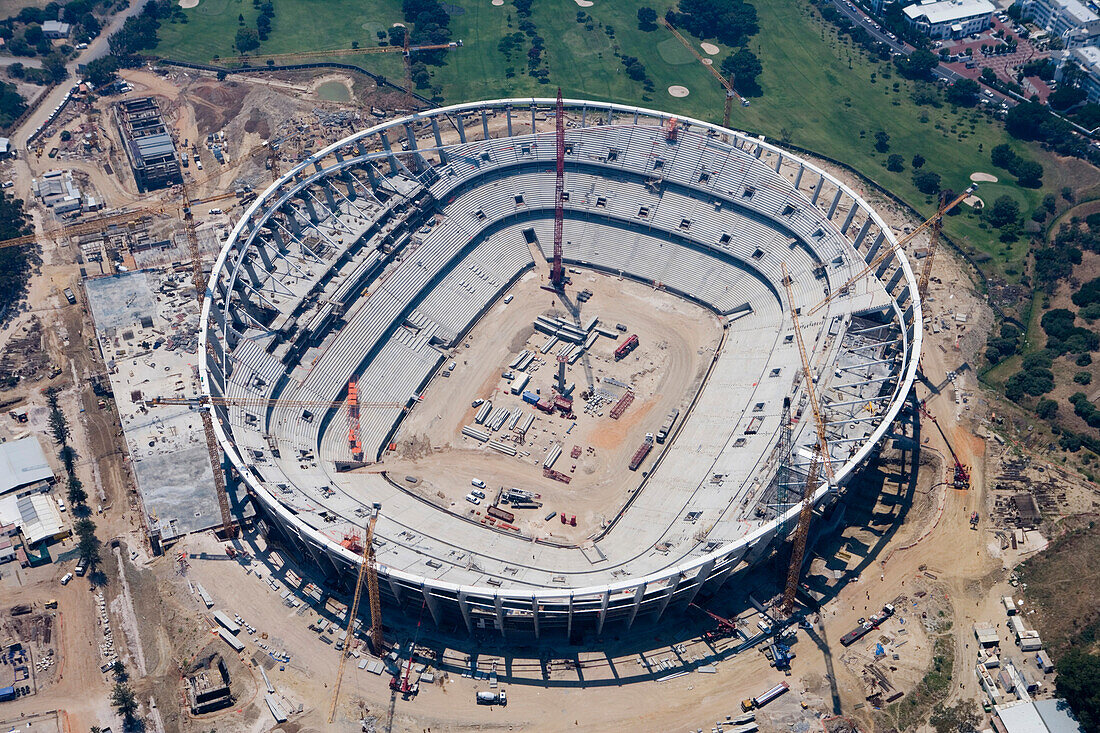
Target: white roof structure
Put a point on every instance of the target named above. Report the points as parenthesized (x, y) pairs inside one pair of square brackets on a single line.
[(36, 516), (1043, 716), (948, 11), (22, 462), (5, 146)]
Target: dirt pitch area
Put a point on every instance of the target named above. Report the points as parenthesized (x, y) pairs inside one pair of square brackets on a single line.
[(678, 341)]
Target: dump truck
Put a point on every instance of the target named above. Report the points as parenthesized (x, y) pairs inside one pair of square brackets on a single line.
[(487, 697)]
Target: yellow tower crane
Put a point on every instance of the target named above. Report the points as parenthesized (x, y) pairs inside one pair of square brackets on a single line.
[(367, 568)]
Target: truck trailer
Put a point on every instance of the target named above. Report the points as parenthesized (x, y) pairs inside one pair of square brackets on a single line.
[(867, 626), (626, 347)]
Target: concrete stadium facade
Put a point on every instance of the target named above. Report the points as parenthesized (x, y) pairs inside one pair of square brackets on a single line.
[(317, 213)]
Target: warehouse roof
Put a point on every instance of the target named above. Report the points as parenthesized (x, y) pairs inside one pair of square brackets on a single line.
[(1043, 716), (22, 462), (37, 516)]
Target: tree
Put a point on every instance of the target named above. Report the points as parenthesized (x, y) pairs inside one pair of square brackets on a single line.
[(962, 717), (122, 697), (989, 76), (1065, 97), (895, 163), (1046, 409), (1003, 212), (54, 65), (12, 105), (263, 27), (882, 141), (964, 93), (647, 19), (76, 493), (1029, 174), (247, 40), (918, 161), (927, 182), (118, 669), (1003, 156), (917, 65), (102, 71), (1079, 683), (397, 35), (16, 70), (745, 67), (32, 34)]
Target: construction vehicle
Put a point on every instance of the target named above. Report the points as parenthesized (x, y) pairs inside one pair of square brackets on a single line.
[(821, 454), (641, 453), (960, 473), (726, 627), (487, 697), (763, 699), (893, 249), (368, 570), (626, 347), (867, 626), (974, 519)]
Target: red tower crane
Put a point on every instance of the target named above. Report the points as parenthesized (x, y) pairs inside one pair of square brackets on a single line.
[(557, 273)]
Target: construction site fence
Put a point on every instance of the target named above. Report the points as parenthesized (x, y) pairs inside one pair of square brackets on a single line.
[(377, 78)]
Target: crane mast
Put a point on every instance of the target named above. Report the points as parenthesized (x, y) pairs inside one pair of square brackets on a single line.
[(895, 248), (821, 454), (366, 569), (557, 274)]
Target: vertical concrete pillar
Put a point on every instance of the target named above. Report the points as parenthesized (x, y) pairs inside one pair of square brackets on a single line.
[(389, 152), (848, 219), (798, 178), (433, 605), (485, 124), (603, 611), (500, 614), (508, 118), (672, 587), (700, 578), (817, 190), (461, 128), (535, 614), (439, 142), (464, 606), (639, 594), (834, 204)]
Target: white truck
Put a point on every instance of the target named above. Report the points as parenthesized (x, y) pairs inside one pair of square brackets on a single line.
[(487, 697)]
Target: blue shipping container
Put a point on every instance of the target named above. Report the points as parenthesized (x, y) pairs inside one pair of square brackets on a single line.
[(7, 693), (530, 397)]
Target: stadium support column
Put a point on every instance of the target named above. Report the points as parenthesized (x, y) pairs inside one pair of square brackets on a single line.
[(439, 142), (418, 160), (508, 118), (384, 138), (433, 605), (674, 584), (485, 124), (532, 119), (569, 619), (464, 606), (395, 588), (700, 578), (460, 123), (836, 202), (639, 594), (851, 215), (817, 190), (535, 615), (798, 178), (603, 611), (499, 603)]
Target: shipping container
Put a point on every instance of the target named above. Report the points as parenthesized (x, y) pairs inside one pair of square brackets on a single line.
[(519, 385)]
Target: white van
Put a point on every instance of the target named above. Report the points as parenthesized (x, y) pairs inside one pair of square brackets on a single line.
[(66, 578), (60, 504), (478, 483)]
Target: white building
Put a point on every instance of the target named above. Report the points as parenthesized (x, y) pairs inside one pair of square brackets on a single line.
[(22, 463), (55, 29), (1087, 78), (1071, 20), (950, 18)]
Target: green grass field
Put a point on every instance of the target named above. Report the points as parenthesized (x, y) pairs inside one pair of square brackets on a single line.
[(820, 92)]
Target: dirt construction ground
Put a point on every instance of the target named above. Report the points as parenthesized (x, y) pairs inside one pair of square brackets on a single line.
[(678, 340)]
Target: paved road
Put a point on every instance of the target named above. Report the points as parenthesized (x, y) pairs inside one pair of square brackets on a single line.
[(28, 62), (96, 49)]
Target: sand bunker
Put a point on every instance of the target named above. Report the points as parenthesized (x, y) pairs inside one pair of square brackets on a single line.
[(678, 91), (974, 202), (498, 2), (187, 4), (709, 48), (584, 3), (983, 178)]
